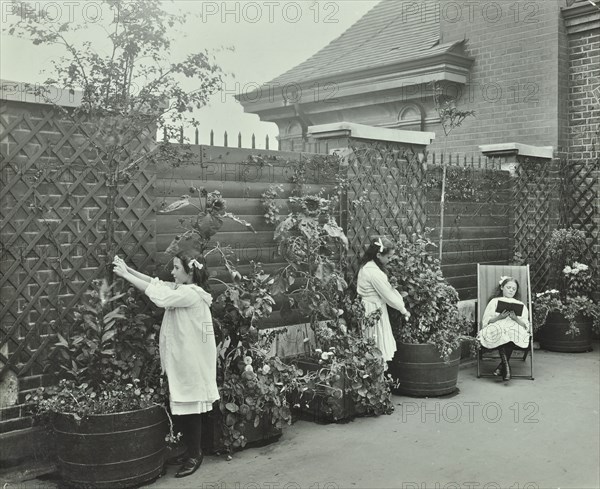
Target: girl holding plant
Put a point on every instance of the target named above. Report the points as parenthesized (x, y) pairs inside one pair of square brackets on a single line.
[(374, 288), (187, 345), (502, 327)]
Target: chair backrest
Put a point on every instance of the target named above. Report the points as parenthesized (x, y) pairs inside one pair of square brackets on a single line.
[(488, 278)]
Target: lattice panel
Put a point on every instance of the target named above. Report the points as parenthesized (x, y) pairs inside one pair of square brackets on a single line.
[(532, 191), (579, 200), (385, 194), (53, 205)]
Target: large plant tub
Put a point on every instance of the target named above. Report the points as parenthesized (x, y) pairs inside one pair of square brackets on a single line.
[(324, 405), (212, 432), (420, 371), (555, 335), (111, 450)]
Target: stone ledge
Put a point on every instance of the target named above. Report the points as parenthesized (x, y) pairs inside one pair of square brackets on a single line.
[(517, 149), (362, 131)]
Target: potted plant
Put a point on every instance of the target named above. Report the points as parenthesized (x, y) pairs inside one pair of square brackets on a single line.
[(429, 343), (348, 372), (253, 384), (108, 410), (564, 317)]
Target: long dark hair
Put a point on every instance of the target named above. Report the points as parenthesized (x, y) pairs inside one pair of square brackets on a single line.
[(374, 249), (504, 281), (199, 275)]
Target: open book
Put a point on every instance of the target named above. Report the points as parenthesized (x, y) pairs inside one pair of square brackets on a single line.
[(509, 306)]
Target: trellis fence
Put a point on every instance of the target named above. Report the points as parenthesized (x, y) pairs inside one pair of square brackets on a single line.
[(53, 203), (580, 201)]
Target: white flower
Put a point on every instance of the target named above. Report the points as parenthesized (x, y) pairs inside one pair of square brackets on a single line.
[(340, 312), (249, 368), (325, 356), (567, 269), (318, 350), (266, 369), (248, 360)]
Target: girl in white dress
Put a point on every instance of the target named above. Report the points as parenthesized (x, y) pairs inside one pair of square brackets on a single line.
[(504, 330), (376, 292), (188, 350)]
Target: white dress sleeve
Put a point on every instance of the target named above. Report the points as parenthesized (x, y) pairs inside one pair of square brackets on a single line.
[(163, 294), (382, 286), (490, 312)]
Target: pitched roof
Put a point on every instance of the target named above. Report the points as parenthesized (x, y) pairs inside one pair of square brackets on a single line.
[(385, 35)]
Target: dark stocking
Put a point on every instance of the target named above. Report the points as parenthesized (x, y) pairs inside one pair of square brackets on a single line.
[(193, 434), (505, 365), (508, 349)]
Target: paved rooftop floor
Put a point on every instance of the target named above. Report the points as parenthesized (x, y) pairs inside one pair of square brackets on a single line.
[(521, 435)]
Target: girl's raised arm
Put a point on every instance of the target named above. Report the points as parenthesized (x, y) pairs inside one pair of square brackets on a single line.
[(122, 271), (132, 271)]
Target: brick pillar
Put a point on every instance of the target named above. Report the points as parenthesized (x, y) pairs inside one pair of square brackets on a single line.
[(535, 201), (384, 168)]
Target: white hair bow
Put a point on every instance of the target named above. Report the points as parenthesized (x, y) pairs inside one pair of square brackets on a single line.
[(380, 244), (194, 263), (503, 278)]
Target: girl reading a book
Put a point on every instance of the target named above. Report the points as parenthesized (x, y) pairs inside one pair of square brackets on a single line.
[(505, 324)]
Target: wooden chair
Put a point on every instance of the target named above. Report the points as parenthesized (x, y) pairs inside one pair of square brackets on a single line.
[(488, 277)]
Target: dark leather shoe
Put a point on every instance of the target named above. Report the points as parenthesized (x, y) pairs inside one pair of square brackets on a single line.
[(178, 460), (190, 466)]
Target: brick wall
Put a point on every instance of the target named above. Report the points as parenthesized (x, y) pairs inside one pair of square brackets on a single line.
[(514, 81), (583, 27)]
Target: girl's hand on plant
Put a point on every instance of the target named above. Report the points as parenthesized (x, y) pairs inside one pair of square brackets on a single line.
[(406, 315), (120, 268)]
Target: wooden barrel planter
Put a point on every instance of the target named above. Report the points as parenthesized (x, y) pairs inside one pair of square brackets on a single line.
[(420, 371), (327, 404), (555, 336), (111, 450)]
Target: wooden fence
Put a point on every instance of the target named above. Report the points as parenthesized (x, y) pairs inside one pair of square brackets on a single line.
[(53, 208)]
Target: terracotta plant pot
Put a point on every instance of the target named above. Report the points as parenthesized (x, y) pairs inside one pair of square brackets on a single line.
[(555, 336), (420, 371), (111, 450)]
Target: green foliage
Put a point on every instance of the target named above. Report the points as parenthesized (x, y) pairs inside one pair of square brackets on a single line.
[(352, 355), (572, 302), (111, 344), (268, 201), (566, 246), (198, 230), (432, 302), (253, 384), (128, 90), (313, 245), (574, 281), (467, 185), (253, 393)]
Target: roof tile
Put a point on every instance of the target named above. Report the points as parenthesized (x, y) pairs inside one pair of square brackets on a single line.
[(384, 35)]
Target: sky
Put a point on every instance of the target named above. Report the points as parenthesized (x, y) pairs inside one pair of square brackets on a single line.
[(254, 41)]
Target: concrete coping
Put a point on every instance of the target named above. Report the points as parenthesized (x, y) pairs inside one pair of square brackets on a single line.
[(363, 131), (518, 149), (39, 93)]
